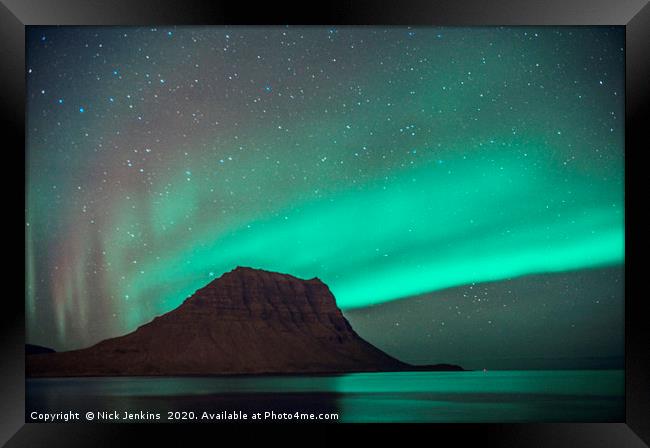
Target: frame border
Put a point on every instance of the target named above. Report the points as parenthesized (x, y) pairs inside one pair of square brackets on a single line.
[(15, 15)]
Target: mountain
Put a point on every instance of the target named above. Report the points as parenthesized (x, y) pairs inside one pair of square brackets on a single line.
[(248, 321), (33, 349)]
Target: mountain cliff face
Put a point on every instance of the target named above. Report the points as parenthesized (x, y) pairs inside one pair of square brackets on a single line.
[(248, 321)]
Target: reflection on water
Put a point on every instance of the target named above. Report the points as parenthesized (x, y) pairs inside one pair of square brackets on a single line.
[(494, 396)]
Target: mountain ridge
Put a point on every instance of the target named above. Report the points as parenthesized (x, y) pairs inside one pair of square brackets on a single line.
[(248, 321)]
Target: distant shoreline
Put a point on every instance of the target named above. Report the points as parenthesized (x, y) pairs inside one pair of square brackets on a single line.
[(451, 368)]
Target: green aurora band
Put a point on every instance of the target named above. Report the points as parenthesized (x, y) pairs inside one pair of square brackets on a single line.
[(428, 229)]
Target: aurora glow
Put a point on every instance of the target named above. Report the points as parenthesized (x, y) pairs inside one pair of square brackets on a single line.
[(389, 162)]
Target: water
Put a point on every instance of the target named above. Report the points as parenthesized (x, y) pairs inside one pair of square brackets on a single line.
[(493, 396)]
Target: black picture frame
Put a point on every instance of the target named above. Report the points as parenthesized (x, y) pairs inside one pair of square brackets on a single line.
[(15, 15)]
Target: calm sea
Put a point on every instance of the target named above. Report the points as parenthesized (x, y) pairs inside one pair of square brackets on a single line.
[(493, 396)]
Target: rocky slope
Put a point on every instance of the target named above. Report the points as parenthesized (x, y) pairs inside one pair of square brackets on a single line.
[(248, 321)]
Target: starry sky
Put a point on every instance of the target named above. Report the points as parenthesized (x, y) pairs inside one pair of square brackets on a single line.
[(399, 165)]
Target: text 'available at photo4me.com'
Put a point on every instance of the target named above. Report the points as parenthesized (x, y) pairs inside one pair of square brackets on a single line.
[(170, 416)]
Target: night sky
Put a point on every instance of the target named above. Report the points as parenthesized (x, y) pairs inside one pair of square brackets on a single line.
[(419, 164)]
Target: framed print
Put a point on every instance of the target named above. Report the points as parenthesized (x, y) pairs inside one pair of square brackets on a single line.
[(358, 215)]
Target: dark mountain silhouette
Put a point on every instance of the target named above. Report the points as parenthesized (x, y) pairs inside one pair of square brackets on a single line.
[(33, 349), (248, 321)]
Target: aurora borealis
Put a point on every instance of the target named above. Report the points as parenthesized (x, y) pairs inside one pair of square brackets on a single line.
[(389, 162)]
